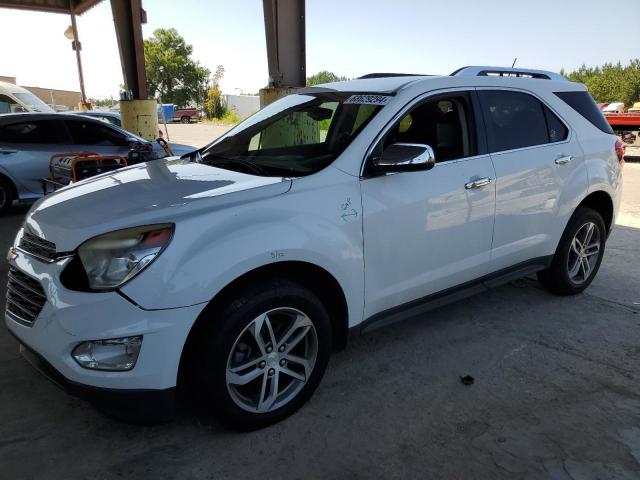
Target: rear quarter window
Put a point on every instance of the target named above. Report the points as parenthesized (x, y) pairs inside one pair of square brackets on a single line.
[(583, 103)]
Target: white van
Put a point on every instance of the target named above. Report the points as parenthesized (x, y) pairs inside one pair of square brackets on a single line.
[(14, 99)]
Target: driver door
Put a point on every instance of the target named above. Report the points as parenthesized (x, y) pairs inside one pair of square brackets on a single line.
[(428, 231)]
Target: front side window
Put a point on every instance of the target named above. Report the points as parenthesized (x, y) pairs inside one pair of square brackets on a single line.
[(445, 124), (295, 136)]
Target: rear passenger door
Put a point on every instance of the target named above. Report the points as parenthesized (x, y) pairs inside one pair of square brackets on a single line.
[(539, 174)]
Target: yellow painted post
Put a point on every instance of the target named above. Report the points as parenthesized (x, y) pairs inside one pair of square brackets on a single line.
[(302, 131), (140, 117), (271, 94)]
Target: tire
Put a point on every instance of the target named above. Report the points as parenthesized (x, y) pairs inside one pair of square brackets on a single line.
[(574, 266), (6, 195), (227, 342), (185, 119)]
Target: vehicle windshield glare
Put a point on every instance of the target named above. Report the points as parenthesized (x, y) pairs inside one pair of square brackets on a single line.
[(33, 102), (295, 136)]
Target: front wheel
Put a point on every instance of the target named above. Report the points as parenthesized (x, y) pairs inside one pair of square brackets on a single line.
[(578, 256), (261, 356)]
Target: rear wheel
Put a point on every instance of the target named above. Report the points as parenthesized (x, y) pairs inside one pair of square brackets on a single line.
[(578, 256), (263, 355), (185, 119), (6, 195)]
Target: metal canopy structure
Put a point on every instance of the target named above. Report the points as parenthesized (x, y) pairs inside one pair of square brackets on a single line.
[(77, 7), (284, 29)]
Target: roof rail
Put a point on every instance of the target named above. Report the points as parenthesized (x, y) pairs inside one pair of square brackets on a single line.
[(386, 75), (507, 72)]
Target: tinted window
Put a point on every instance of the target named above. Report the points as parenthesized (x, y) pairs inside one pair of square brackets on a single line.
[(445, 124), (38, 132), (94, 133), (583, 103), (557, 130), (513, 120)]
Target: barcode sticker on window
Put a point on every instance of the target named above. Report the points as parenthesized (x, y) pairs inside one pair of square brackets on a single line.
[(368, 99)]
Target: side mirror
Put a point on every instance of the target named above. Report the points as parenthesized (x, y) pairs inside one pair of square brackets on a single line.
[(404, 157)]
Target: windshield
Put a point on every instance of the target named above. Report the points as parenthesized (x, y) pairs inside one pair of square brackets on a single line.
[(33, 103), (295, 136)]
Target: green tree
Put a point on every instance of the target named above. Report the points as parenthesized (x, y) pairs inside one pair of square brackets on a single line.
[(610, 82), (213, 105), (171, 72), (324, 77)]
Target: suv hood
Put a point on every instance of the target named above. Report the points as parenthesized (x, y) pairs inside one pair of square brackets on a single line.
[(153, 192)]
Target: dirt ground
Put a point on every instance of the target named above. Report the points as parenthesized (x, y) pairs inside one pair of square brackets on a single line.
[(556, 396)]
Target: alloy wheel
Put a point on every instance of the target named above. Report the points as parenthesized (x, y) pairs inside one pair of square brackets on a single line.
[(584, 253), (271, 360)]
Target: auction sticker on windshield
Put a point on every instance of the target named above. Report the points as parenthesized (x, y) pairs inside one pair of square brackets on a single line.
[(368, 99)]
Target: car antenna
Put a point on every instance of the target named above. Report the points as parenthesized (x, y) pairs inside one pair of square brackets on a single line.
[(514, 62)]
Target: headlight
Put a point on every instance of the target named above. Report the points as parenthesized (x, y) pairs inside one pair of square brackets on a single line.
[(112, 259)]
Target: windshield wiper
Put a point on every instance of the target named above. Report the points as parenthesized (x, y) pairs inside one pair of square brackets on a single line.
[(217, 159)]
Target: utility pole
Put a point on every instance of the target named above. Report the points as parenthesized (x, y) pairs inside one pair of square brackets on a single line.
[(77, 46)]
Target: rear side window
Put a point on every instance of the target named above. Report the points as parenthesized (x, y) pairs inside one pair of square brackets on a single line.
[(34, 132), (513, 120), (583, 103), (94, 133)]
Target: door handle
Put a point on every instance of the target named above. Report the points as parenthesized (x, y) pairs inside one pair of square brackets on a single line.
[(7, 151), (562, 160), (481, 182)]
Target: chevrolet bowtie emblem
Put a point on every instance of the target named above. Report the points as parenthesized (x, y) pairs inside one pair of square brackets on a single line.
[(11, 254)]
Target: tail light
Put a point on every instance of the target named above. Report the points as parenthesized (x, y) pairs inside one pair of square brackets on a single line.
[(620, 149)]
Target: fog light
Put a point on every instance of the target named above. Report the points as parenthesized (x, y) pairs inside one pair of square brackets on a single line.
[(115, 354)]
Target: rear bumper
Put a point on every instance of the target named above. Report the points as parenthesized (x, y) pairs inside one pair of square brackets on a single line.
[(139, 406)]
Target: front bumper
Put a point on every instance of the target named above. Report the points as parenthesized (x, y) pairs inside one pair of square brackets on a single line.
[(69, 318), (139, 406)]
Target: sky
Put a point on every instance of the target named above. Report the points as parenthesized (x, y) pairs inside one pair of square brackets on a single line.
[(347, 37)]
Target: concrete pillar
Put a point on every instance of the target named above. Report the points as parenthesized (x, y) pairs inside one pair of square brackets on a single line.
[(140, 117)]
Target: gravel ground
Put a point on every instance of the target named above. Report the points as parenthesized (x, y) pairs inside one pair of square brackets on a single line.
[(556, 396)]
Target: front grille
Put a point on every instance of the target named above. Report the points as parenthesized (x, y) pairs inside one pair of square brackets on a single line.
[(37, 246), (25, 297)]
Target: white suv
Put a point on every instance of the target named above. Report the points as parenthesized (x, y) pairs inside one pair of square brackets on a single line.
[(333, 211)]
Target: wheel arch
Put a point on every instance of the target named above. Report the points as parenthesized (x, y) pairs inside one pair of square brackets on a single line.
[(601, 202), (11, 183), (312, 276)]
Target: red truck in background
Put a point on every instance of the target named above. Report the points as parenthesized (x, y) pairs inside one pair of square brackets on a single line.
[(627, 127), (185, 115), (168, 112)]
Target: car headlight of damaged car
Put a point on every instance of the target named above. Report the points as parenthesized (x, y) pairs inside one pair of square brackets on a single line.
[(112, 259)]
